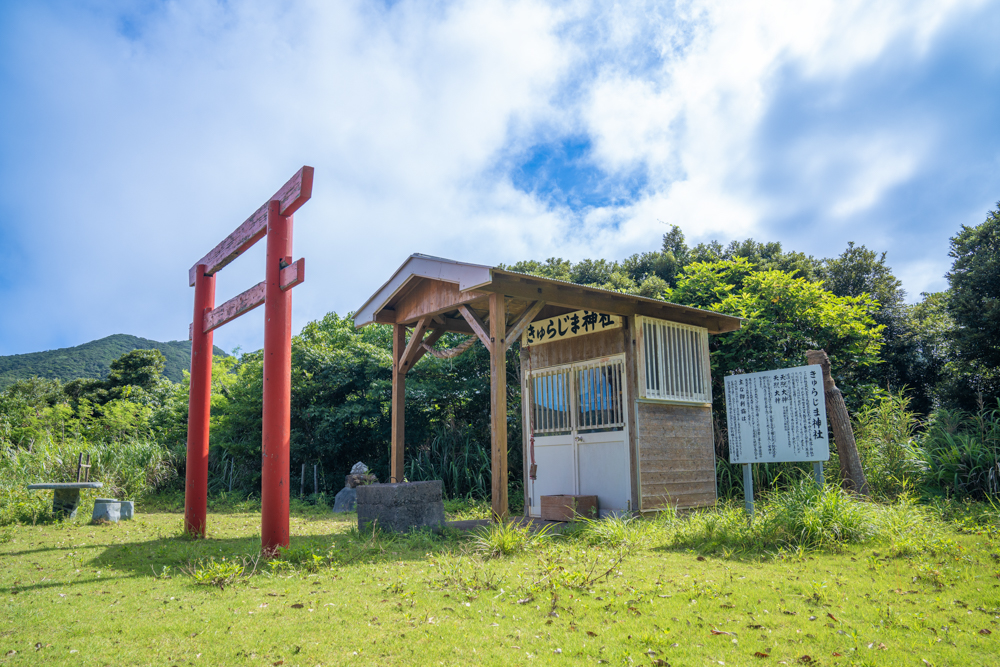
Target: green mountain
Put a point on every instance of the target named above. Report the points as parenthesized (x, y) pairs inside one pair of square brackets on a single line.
[(93, 359)]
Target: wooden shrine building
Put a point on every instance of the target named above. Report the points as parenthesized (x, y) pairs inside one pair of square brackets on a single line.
[(616, 387)]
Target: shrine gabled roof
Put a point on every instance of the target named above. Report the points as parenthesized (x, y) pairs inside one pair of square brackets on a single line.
[(464, 283)]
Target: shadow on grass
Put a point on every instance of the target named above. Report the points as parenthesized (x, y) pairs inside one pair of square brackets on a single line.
[(171, 554)]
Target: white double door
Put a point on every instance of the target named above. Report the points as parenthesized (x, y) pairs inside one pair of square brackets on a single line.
[(581, 443)]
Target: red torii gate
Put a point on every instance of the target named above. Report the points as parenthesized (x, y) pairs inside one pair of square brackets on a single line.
[(274, 220)]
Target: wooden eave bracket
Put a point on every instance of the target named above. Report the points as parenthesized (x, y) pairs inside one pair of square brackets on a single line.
[(478, 327), (418, 345), (522, 322), (290, 276)]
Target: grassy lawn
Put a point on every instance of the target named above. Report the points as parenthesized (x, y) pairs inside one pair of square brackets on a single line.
[(669, 592)]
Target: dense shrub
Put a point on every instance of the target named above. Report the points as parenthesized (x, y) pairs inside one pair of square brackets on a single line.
[(961, 452)]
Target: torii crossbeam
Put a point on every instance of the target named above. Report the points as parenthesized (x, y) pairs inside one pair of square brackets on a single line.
[(273, 220)]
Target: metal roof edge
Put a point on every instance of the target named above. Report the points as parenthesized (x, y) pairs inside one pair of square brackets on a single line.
[(426, 266)]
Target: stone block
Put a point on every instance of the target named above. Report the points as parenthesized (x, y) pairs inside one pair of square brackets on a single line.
[(107, 511), (401, 507)]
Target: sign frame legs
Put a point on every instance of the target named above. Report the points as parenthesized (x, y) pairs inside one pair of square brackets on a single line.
[(748, 489)]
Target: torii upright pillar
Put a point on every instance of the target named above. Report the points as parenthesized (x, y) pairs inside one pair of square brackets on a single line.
[(273, 220)]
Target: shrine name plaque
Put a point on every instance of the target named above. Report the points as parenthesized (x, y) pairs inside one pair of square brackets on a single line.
[(570, 325), (777, 416)]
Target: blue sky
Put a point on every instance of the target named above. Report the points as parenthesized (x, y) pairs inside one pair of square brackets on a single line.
[(136, 135)]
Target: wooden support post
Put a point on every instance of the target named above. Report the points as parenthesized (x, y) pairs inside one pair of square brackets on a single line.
[(199, 407), (851, 473), (630, 411), (498, 405), (818, 473), (398, 404), (277, 413), (302, 482)]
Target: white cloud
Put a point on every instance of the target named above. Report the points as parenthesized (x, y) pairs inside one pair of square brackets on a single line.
[(154, 146)]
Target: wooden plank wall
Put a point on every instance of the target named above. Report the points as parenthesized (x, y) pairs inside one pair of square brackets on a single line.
[(676, 455), (581, 348)]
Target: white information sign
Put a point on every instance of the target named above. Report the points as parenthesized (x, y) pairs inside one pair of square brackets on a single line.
[(577, 323), (777, 416)]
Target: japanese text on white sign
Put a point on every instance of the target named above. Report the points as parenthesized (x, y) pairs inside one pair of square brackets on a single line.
[(569, 325), (777, 416)]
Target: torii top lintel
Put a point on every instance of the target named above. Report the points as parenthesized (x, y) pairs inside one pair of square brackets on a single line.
[(291, 196), (432, 287)]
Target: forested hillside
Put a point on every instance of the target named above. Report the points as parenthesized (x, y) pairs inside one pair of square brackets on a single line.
[(93, 359)]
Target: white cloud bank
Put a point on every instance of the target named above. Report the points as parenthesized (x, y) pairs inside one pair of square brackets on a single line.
[(152, 135)]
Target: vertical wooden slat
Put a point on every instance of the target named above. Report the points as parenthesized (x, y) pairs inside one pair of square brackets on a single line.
[(566, 387), (546, 401), (686, 372), (665, 388), (498, 404), (398, 404), (606, 393)]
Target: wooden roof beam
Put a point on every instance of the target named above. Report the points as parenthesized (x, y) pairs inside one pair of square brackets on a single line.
[(580, 297)]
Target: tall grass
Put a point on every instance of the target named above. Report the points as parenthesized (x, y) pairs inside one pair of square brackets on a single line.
[(803, 516), (128, 468), (961, 452), (884, 430), (505, 538), (455, 457)]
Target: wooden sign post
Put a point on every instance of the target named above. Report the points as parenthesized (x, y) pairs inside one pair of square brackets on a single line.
[(273, 220)]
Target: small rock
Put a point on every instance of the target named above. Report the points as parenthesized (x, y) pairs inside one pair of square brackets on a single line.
[(346, 500)]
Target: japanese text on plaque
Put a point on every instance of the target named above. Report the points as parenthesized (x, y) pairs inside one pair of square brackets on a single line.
[(569, 325), (777, 416)]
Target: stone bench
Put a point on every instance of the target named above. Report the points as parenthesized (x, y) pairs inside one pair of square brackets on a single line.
[(401, 507), (66, 495)]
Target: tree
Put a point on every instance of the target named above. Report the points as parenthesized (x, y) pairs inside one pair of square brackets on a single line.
[(762, 256), (928, 329), (974, 305), (136, 376), (784, 316), (860, 272)]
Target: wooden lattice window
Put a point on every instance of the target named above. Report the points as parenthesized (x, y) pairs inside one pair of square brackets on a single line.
[(673, 361)]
